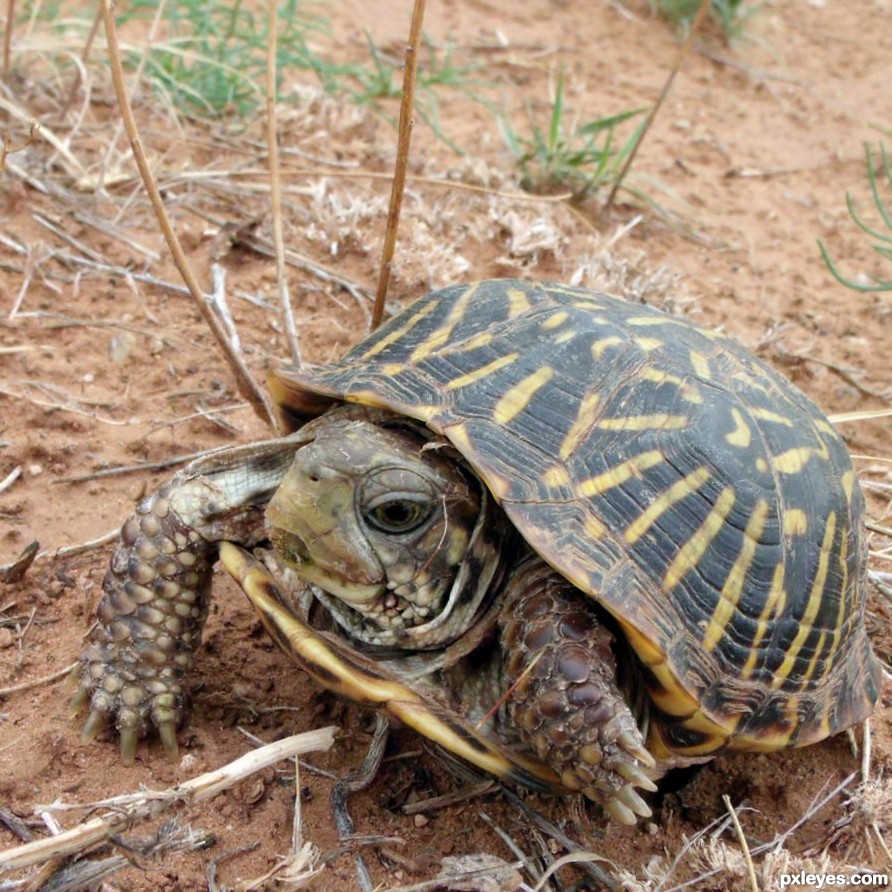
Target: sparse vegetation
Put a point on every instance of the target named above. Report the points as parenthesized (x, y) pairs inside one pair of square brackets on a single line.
[(879, 175), (729, 15), (569, 155)]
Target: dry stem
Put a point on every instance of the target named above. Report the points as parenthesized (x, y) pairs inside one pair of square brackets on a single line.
[(402, 162), (146, 805), (272, 142), (682, 55), (246, 384)]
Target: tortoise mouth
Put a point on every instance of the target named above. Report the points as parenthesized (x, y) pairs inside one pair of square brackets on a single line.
[(294, 552), (387, 620)]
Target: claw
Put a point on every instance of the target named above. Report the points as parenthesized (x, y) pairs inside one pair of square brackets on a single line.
[(95, 725), (167, 731), (632, 745), (79, 700), (636, 776), (620, 812), (633, 801), (129, 741)]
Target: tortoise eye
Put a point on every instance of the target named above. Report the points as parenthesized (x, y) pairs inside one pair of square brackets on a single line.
[(399, 515)]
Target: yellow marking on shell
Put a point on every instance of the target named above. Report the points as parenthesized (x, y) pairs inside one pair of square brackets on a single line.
[(793, 460), (585, 417), (652, 320), (848, 485), (392, 368), (686, 389), (598, 347), (556, 320), (700, 365), (840, 613), (774, 605), (483, 372), (658, 421), (648, 344), (620, 473), (645, 649), (826, 427), (564, 336), (663, 502), (795, 522), (764, 742), (458, 435), (481, 339), (733, 587), (773, 417), (806, 676), (741, 435), (689, 554), (518, 397), (594, 527), (556, 476), (443, 334), (814, 604), (400, 332), (761, 464), (518, 302)]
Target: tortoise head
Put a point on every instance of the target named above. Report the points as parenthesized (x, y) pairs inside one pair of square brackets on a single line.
[(387, 528)]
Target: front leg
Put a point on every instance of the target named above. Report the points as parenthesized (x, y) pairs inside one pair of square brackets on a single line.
[(156, 592), (565, 701)]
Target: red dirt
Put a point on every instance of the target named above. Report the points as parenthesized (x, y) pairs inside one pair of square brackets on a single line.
[(754, 152)]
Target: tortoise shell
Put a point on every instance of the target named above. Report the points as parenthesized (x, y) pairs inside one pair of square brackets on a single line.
[(700, 498)]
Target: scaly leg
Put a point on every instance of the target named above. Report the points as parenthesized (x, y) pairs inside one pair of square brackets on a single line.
[(157, 589), (565, 702)]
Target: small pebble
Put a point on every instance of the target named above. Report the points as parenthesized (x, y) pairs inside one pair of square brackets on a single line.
[(35, 470), (421, 821), (7, 639)]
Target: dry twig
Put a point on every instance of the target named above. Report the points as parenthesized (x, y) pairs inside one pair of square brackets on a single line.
[(402, 162), (246, 384), (667, 86), (126, 810), (272, 142)]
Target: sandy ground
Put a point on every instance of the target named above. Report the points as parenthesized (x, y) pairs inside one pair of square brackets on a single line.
[(746, 168)]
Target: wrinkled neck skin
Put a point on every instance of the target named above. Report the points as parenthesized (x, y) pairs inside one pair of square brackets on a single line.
[(396, 538)]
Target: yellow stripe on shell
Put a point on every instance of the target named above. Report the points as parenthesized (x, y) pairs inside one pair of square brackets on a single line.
[(774, 604), (619, 474), (795, 522), (687, 390), (741, 435), (598, 347), (793, 460), (648, 344), (773, 417), (700, 365), (518, 397), (733, 587), (442, 335), (400, 332), (689, 554), (556, 476), (657, 421), (483, 372), (814, 603), (585, 417), (518, 302), (840, 616), (556, 320), (848, 485), (679, 490)]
